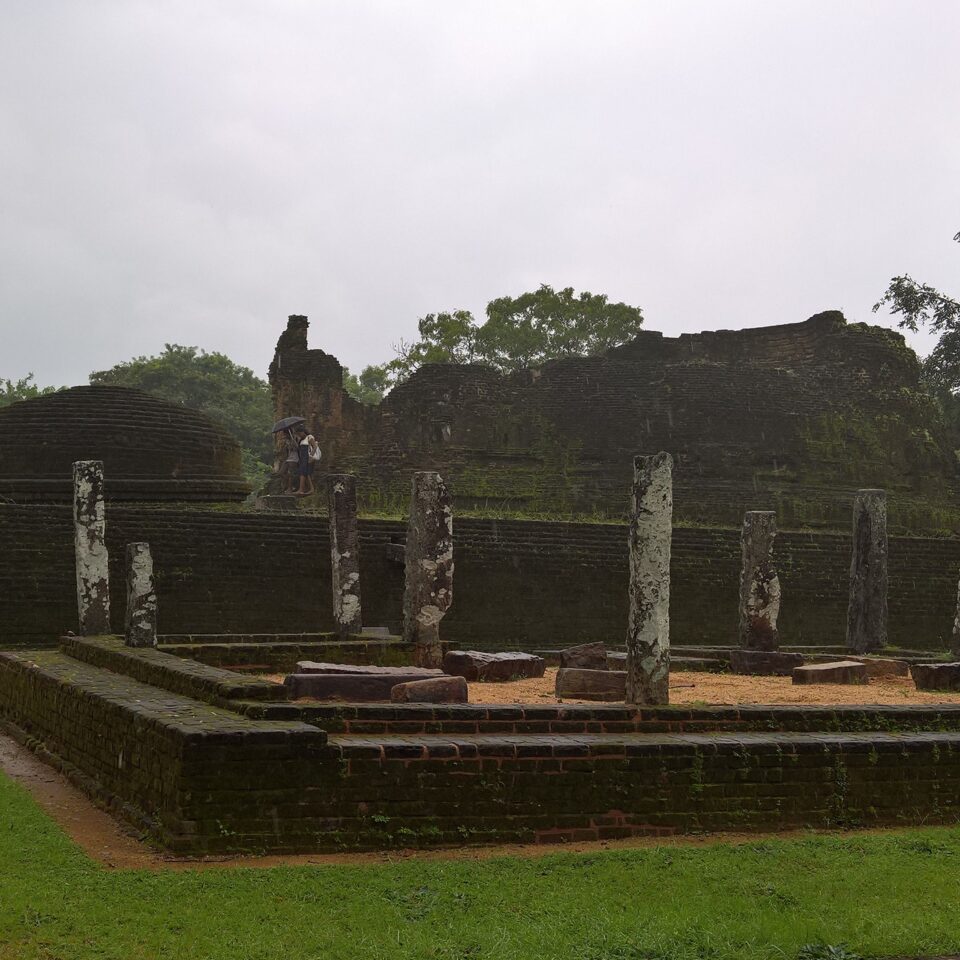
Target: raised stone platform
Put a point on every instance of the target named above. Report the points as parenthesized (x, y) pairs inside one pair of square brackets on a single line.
[(256, 775)]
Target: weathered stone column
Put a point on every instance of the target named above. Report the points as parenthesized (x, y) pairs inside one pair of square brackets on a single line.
[(759, 583), (428, 567), (90, 548), (344, 553), (867, 611), (648, 633), (141, 622), (955, 642)]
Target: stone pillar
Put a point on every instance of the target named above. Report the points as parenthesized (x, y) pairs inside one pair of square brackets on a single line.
[(428, 567), (648, 633), (955, 642), (90, 548), (344, 552), (759, 584), (141, 622), (867, 611)]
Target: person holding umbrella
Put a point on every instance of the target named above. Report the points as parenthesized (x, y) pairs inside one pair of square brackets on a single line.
[(290, 467)]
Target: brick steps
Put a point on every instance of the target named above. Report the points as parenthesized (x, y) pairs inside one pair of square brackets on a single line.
[(600, 718), (612, 746)]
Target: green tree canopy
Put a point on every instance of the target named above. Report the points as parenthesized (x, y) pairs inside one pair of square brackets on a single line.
[(211, 383), (369, 385), (920, 305), (524, 331), (24, 389)]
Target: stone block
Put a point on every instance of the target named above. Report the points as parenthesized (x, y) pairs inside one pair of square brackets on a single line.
[(840, 671), (435, 690), (764, 663), (371, 670), (586, 656), (576, 684), (884, 666), (492, 667), (349, 687), (936, 676)]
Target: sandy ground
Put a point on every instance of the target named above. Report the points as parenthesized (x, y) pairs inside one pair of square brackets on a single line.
[(723, 688), (726, 688)]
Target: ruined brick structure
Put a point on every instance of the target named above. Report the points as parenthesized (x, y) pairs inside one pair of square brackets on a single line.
[(151, 450), (789, 418)]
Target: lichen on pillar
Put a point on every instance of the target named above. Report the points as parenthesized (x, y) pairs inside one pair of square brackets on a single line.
[(90, 548), (344, 553), (867, 610), (141, 620), (955, 638), (428, 589), (759, 583), (648, 632)]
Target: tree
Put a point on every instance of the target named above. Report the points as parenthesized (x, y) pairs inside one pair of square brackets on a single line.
[(919, 304), (524, 331), (213, 384), (24, 389), (369, 386)]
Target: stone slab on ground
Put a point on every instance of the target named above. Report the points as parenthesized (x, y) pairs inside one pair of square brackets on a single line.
[(586, 656), (435, 690), (419, 673), (618, 661), (936, 676), (884, 666), (764, 663), (495, 667), (840, 671), (605, 685), (349, 687)]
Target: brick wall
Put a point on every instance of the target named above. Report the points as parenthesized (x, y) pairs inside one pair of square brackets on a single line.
[(201, 779), (791, 418), (517, 583)]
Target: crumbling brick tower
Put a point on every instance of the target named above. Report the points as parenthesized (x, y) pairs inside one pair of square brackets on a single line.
[(308, 383)]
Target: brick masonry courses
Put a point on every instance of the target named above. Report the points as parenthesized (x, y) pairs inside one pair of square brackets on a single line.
[(231, 572), (789, 418), (202, 779)]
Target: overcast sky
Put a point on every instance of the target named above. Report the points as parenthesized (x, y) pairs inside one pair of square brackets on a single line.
[(193, 172)]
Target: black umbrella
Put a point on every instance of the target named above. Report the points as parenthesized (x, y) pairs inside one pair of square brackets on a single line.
[(287, 422)]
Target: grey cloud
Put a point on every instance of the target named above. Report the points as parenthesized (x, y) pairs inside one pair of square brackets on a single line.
[(174, 171)]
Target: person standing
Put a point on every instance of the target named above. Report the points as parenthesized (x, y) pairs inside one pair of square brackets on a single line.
[(304, 463)]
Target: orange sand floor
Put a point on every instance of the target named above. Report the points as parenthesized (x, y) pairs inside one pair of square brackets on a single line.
[(701, 688)]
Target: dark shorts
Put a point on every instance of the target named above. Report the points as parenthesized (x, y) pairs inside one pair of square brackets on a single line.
[(305, 466)]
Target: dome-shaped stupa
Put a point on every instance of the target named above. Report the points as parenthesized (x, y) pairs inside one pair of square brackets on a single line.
[(151, 449)]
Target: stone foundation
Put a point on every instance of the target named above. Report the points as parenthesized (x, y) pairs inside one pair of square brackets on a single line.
[(264, 775)]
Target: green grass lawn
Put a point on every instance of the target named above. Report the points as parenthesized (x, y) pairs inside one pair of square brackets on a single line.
[(891, 894)]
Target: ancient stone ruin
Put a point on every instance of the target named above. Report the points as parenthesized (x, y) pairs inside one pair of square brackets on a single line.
[(90, 548), (648, 632), (774, 418), (759, 583), (344, 552), (141, 619), (428, 567), (366, 729), (867, 611)]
